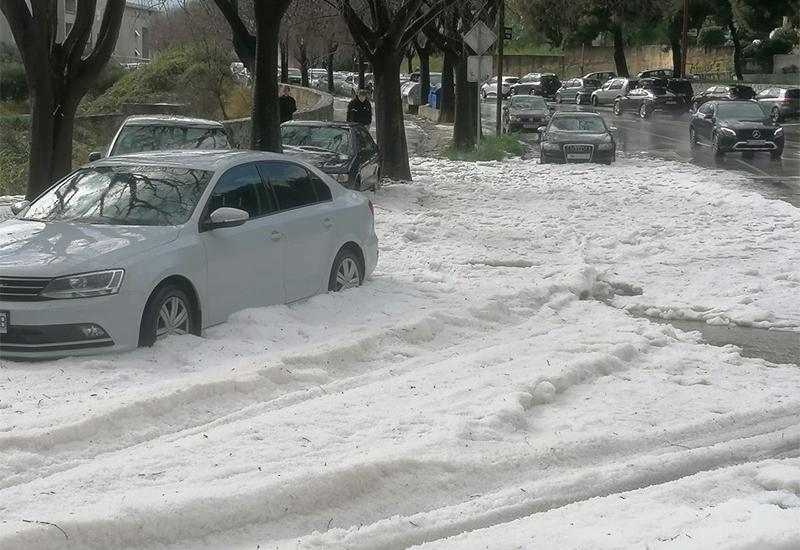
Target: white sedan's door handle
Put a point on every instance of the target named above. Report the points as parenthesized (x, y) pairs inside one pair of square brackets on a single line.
[(327, 222), (276, 235)]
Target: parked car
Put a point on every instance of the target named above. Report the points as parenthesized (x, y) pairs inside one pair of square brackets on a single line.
[(577, 89), (602, 76), (733, 126), (133, 249), (723, 93), (543, 84), (577, 137), (489, 88), (610, 91), (780, 103), (656, 73), (295, 76), (140, 133), (649, 97), (682, 88), (525, 113), (343, 150)]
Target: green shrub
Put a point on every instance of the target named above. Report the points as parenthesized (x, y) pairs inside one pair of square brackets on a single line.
[(711, 36), (109, 76), (13, 84), (491, 148)]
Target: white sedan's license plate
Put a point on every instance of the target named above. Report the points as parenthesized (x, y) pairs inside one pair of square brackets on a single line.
[(3, 322), (579, 156), (756, 142)]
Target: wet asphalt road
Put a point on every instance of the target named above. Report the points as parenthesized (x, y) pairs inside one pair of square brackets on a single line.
[(666, 137)]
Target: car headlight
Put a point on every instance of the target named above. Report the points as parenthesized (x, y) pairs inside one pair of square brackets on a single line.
[(727, 131), (606, 146), (778, 132), (85, 285), (342, 178), (515, 117), (547, 146)]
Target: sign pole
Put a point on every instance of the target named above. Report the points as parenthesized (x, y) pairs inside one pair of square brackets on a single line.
[(501, 17)]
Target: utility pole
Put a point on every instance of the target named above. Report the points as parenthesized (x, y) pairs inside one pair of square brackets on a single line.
[(501, 31), (685, 40)]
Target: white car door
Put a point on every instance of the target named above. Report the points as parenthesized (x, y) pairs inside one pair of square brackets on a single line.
[(245, 263), (308, 220)]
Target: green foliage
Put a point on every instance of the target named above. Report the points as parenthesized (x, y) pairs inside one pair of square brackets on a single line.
[(13, 83), (109, 76), (9, 53), (788, 35), (711, 36), (761, 16), (491, 148), (14, 145), (198, 76), (763, 50)]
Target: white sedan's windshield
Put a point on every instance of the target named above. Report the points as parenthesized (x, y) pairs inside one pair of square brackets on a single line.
[(137, 139), (578, 124), (122, 195)]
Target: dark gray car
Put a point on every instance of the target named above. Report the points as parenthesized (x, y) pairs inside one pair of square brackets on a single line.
[(578, 90), (577, 137), (525, 113), (780, 103)]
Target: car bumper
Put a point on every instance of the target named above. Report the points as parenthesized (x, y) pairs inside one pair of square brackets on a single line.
[(669, 108), (597, 155), (55, 328), (525, 126), (735, 144)]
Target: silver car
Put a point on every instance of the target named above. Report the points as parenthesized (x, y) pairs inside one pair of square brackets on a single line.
[(780, 103), (132, 249)]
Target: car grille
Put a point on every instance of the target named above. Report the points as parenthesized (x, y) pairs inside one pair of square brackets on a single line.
[(19, 289), (748, 134), (578, 148)]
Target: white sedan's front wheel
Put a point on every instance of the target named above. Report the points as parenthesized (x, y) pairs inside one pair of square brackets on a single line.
[(168, 312), (346, 271)]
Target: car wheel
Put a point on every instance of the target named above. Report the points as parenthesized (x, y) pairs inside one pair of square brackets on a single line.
[(776, 154), (718, 152), (617, 108), (643, 111), (578, 100), (542, 160), (692, 138), (558, 98), (594, 101), (776, 114), (169, 311), (346, 271)]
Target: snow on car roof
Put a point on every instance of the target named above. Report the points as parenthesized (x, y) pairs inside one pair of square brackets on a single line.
[(213, 160), (171, 120)]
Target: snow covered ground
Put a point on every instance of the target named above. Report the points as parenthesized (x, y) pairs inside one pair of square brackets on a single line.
[(493, 386)]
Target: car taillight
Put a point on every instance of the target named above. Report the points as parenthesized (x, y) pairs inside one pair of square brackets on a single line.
[(731, 97), (371, 208), (786, 102)]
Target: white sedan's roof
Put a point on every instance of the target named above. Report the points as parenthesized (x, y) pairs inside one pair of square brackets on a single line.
[(214, 160), (171, 120)]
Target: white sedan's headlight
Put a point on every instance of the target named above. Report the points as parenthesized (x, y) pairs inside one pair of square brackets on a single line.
[(85, 285), (550, 146)]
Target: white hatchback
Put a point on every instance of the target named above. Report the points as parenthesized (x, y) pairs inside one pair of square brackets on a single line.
[(135, 248)]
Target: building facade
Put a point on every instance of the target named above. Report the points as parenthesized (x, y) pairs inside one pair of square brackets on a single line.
[(133, 44)]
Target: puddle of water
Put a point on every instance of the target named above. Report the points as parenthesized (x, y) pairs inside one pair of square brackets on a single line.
[(775, 346)]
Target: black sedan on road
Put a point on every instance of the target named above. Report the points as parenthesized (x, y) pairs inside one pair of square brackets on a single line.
[(575, 136), (543, 84), (734, 126), (525, 113), (345, 150), (647, 100)]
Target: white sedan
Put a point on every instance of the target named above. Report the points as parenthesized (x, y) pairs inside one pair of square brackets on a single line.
[(489, 88), (135, 248)]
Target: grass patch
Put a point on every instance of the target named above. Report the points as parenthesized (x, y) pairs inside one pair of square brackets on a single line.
[(491, 148)]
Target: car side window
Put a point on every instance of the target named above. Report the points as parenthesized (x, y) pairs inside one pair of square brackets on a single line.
[(705, 109), (321, 189), (290, 182), (616, 84), (241, 187), (366, 138)]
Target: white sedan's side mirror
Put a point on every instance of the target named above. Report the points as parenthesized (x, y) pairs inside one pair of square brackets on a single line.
[(225, 217), (18, 207)]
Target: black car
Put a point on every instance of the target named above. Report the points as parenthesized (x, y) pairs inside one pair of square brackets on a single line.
[(657, 73), (543, 84), (577, 89), (682, 88), (577, 137), (525, 113), (723, 93), (733, 126), (345, 150), (650, 96)]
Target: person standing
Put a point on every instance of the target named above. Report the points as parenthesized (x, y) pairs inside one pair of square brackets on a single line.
[(288, 106), (359, 109)]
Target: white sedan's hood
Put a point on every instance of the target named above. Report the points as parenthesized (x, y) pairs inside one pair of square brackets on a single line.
[(52, 249)]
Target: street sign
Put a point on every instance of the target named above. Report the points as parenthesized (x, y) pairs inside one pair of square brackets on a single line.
[(479, 68), (480, 38), (507, 33)]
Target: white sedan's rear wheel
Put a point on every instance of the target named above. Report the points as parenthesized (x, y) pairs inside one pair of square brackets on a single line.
[(346, 271)]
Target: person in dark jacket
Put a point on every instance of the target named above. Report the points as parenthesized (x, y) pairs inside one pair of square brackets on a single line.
[(287, 105), (359, 109)]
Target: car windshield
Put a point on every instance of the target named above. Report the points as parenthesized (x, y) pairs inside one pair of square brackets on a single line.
[(331, 138), (740, 111), (136, 139), (529, 102), (510, 79), (122, 195), (578, 124), (793, 93)]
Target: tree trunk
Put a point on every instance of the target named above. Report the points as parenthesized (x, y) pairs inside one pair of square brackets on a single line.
[(331, 87), (40, 161), (410, 59), (389, 125), (425, 74), (265, 133), (447, 94), (619, 52), (675, 44), (362, 81), (737, 50), (464, 128), (284, 46), (304, 66)]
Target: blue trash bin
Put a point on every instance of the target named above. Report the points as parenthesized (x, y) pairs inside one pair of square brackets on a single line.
[(433, 96)]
